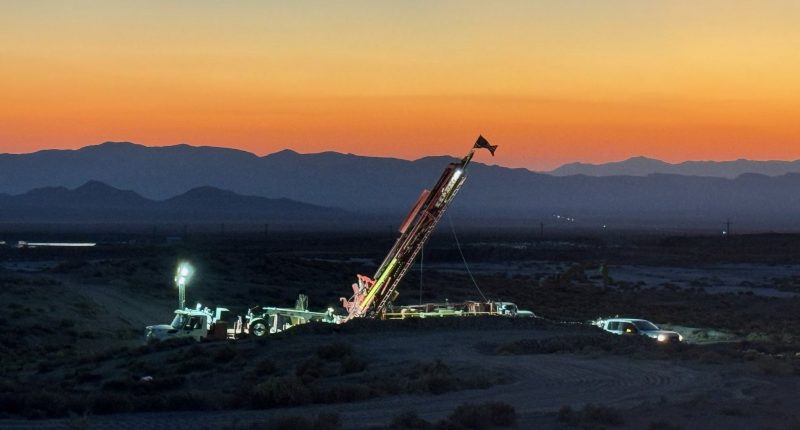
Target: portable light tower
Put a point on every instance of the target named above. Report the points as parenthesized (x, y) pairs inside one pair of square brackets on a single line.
[(182, 276)]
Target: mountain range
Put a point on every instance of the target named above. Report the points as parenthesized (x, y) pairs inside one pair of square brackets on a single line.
[(98, 202), (385, 188), (643, 166)]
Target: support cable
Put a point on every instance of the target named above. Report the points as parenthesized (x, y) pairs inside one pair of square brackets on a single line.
[(421, 263), (464, 259)]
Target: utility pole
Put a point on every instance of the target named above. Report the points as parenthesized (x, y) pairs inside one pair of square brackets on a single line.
[(728, 227)]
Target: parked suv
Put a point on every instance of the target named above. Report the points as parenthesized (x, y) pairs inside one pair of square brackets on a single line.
[(638, 326)]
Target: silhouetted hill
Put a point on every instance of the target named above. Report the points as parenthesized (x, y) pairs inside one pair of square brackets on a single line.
[(643, 166), (385, 188), (98, 202), (348, 181)]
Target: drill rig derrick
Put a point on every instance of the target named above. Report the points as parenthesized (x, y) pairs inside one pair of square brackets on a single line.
[(372, 295)]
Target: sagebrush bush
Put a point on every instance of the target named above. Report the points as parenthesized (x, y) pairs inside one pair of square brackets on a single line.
[(309, 370), (663, 425), (343, 393), (352, 364), (409, 420), (265, 367), (590, 415), (279, 391), (335, 351), (481, 416), (324, 421), (110, 403)]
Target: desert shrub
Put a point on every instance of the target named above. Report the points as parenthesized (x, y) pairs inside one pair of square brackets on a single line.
[(42, 404), (479, 381), (195, 363), (84, 377), (188, 401), (111, 403), (590, 416), (436, 384), (352, 364), (309, 370), (225, 354), (775, 367), (663, 425), (265, 367), (45, 366), (324, 421), (156, 345), (409, 420), (733, 411), (117, 385), (78, 422), (149, 403), (279, 391), (481, 416), (343, 393), (12, 403), (335, 351), (433, 377), (99, 356)]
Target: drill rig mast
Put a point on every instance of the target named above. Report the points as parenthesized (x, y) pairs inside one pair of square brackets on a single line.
[(372, 295)]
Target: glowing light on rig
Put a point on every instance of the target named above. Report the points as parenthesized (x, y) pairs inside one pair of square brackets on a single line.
[(182, 277)]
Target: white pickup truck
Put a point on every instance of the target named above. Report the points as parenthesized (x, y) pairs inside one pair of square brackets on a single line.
[(199, 323), (638, 326)]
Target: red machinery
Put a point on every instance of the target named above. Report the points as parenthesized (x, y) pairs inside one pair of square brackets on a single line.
[(372, 295)]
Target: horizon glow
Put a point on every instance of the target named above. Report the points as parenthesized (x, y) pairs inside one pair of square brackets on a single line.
[(551, 82)]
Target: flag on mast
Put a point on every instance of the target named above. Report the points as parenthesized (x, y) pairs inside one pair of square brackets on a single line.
[(483, 143)]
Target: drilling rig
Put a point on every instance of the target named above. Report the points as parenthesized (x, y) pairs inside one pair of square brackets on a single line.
[(372, 295)]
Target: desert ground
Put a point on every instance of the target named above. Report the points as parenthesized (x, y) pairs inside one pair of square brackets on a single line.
[(73, 353)]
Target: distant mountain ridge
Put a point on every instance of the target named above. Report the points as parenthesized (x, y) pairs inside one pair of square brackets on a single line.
[(97, 202), (385, 188), (643, 166), (163, 172)]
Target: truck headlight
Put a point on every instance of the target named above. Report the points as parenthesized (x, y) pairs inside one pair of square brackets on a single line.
[(662, 338)]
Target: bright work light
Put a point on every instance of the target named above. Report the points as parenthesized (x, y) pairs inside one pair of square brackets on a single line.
[(182, 276)]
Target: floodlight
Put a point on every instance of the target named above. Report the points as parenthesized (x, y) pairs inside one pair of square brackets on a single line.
[(182, 276)]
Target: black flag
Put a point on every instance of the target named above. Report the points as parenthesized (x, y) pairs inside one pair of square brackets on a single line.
[(483, 143)]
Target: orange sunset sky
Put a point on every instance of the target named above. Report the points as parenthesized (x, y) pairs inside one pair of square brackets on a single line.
[(549, 81)]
